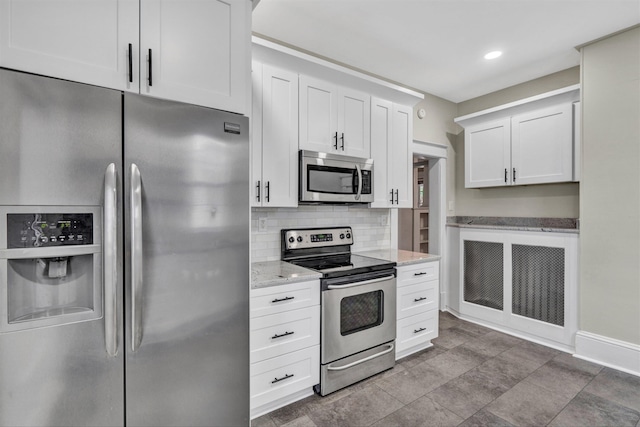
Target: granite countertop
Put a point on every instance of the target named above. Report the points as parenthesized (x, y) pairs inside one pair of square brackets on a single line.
[(399, 256), (550, 225), (272, 273)]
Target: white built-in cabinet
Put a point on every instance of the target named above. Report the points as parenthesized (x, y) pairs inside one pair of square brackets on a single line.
[(520, 281), (391, 135), (528, 142), (334, 119), (274, 137), (417, 296), (191, 51), (284, 344)]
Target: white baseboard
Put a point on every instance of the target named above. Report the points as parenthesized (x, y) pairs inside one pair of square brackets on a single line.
[(609, 352)]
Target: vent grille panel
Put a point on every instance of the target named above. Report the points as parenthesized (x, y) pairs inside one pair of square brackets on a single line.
[(484, 273), (538, 283)]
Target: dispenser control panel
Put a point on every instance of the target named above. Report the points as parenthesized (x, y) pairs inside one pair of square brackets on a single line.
[(26, 230)]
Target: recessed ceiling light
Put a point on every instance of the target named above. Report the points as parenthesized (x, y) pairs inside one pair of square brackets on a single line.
[(493, 55)]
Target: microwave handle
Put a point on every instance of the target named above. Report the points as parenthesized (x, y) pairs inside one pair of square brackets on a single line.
[(359, 182)]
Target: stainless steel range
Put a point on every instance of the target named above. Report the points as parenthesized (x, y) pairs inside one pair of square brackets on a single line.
[(358, 305)]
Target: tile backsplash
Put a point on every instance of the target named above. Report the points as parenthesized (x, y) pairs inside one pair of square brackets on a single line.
[(370, 226)]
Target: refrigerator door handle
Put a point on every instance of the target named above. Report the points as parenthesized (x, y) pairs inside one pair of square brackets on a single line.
[(110, 261), (136, 258)]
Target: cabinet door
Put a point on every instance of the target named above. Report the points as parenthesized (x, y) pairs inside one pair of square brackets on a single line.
[(318, 115), (487, 152), (196, 51), (79, 40), (381, 112), (400, 157), (255, 179), (542, 146), (279, 137), (354, 118)]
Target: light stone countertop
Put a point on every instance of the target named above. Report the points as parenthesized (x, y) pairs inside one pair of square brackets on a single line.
[(517, 228), (549, 225), (273, 273), (399, 256)]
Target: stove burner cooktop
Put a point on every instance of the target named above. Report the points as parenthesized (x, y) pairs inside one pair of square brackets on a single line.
[(328, 251)]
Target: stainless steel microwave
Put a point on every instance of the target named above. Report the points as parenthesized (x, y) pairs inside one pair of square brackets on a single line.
[(333, 178)]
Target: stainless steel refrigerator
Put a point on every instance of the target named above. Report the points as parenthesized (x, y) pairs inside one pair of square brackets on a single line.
[(124, 258)]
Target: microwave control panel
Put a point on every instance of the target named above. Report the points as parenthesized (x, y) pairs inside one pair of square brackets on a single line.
[(30, 230), (366, 182)]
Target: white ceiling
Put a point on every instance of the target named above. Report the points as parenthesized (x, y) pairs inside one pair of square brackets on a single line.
[(437, 46)]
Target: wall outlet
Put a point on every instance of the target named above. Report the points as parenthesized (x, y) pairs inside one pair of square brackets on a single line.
[(383, 220), (452, 206), (262, 224)]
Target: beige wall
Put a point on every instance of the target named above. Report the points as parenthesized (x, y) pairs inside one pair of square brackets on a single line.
[(610, 188), (551, 200)]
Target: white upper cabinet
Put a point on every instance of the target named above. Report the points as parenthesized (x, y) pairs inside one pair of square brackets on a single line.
[(400, 157), (526, 142), (79, 40), (274, 137), (318, 115), (354, 118), (391, 134), (334, 119), (194, 51), (542, 146), (487, 152)]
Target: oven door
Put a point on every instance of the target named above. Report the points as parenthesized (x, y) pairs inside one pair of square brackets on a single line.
[(328, 178), (357, 315)]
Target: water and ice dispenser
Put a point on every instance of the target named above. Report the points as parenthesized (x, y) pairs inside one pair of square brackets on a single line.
[(50, 266)]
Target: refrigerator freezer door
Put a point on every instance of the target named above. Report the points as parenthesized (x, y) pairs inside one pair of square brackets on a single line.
[(188, 208), (57, 139)]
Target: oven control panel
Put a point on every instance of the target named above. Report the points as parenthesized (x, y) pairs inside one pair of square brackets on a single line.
[(316, 237)]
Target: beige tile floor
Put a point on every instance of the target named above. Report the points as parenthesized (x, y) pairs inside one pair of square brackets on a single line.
[(474, 376)]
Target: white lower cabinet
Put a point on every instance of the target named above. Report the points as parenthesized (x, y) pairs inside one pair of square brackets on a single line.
[(275, 379), (521, 282), (284, 344), (416, 332), (417, 296)]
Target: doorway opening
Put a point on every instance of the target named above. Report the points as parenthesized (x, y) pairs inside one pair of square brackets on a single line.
[(414, 222)]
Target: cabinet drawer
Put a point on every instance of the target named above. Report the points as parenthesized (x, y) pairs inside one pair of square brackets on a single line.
[(281, 333), (281, 376), (417, 298), (418, 273), (416, 330), (276, 299)]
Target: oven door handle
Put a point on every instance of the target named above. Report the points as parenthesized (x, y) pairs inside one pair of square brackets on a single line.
[(366, 282), (357, 362)]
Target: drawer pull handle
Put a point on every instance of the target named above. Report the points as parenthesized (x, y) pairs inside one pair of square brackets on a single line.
[(419, 299), (282, 299), (281, 335), (277, 380), (422, 273), (415, 331)]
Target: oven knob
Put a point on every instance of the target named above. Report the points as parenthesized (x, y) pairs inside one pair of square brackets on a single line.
[(348, 235), (291, 240), (299, 239), (341, 235)]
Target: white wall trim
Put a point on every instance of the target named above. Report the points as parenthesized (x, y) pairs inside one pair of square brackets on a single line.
[(430, 149), (610, 352)]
